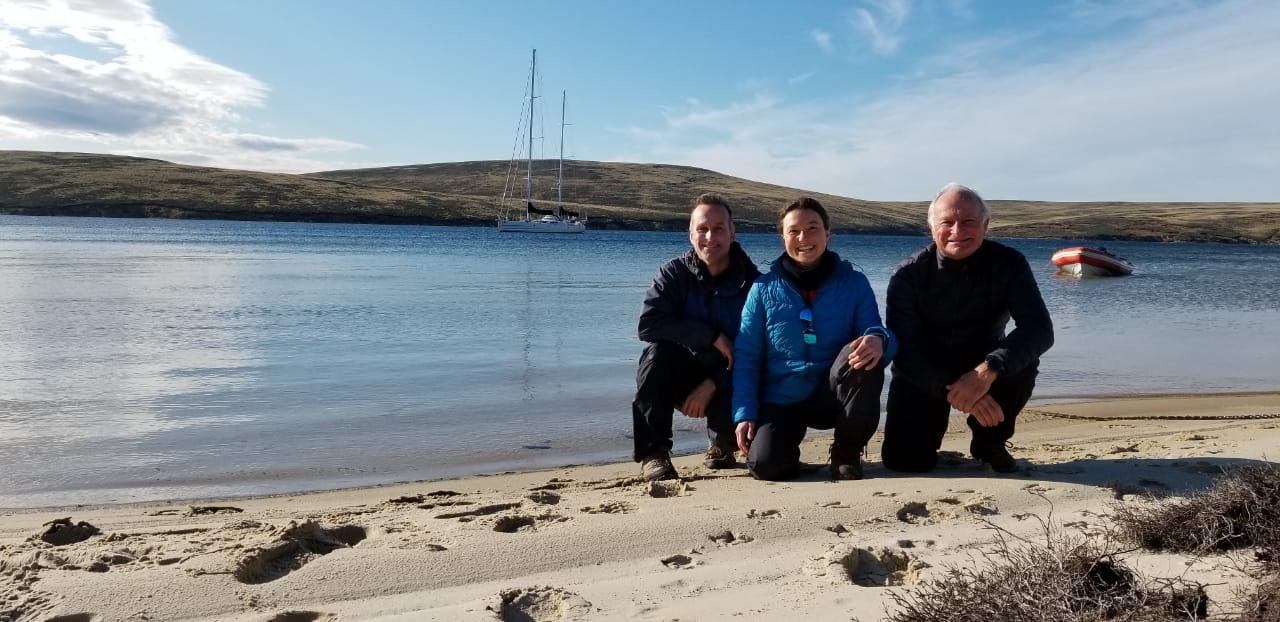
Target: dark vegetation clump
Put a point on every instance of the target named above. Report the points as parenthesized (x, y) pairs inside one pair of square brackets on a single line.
[(1067, 579), (1241, 510), (1263, 605)]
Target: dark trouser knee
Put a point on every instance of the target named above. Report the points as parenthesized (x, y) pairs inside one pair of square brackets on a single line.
[(858, 392), (914, 426), (666, 374)]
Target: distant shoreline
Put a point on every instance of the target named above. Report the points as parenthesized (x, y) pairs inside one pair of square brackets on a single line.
[(139, 211)]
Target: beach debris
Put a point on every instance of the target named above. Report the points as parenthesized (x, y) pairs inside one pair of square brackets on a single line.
[(297, 546), (763, 514), (61, 532), (866, 567), (545, 497), (540, 604)]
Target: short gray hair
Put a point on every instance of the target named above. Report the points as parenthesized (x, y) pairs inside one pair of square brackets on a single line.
[(966, 193)]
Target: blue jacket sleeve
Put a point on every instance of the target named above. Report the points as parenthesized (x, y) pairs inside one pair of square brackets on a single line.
[(749, 351), (866, 319)]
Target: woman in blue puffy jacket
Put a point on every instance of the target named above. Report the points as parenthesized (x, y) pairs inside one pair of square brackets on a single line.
[(811, 353)]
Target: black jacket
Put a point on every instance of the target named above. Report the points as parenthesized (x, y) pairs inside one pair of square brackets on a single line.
[(951, 315), (684, 305)]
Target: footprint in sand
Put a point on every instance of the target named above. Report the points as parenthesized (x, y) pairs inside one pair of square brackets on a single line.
[(61, 532), (545, 497), (540, 604), (483, 510), (298, 545), (867, 567), (1144, 488), (679, 562), (610, 507), (728, 538), (913, 512), (302, 616), (555, 483), (513, 523), (668, 488)]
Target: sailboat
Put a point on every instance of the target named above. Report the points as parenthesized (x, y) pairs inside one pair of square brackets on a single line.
[(527, 218)]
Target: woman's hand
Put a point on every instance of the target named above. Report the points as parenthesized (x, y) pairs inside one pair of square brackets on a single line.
[(745, 432), (867, 352)]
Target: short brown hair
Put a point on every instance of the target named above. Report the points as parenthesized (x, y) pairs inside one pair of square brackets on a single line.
[(711, 198), (808, 203)]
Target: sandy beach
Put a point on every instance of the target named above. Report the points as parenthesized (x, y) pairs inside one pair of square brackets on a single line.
[(597, 543)]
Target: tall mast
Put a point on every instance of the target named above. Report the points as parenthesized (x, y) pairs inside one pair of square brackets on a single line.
[(560, 179), (528, 196)]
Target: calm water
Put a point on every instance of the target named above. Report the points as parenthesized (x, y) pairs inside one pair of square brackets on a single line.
[(150, 359)]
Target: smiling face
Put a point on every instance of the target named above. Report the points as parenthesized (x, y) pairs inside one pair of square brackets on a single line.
[(711, 234), (958, 225), (804, 236)]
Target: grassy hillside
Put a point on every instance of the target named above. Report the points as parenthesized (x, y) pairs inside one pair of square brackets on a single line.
[(614, 195)]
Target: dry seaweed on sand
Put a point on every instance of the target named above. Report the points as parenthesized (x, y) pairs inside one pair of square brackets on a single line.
[(1242, 509), (1263, 605), (1067, 578)]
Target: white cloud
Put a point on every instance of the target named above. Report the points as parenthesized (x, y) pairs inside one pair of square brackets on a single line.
[(823, 39), (881, 22), (1183, 109), (127, 86)]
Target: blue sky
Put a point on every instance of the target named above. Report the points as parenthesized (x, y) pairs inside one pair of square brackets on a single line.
[(877, 99)]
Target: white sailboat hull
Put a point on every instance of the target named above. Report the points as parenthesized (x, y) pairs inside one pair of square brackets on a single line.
[(540, 226)]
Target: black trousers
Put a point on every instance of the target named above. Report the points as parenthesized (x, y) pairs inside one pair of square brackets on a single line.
[(849, 402), (668, 373), (915, 421)]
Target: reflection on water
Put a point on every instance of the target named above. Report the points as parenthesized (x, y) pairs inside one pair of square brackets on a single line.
[(152, 359)]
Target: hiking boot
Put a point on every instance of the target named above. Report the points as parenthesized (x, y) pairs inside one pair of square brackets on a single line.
[(720, 456), (995, 455), (845, 464), (847, 470), (657, 466)]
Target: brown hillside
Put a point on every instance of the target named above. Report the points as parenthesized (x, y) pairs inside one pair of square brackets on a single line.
[(614, 195)]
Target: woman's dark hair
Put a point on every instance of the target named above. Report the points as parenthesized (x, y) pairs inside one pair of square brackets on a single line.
[(808, 203)]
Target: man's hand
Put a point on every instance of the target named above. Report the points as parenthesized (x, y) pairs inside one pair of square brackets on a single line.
[(969, 388), (867, 351), (695, 405), (745, 432), (987, 411), (726, 349)]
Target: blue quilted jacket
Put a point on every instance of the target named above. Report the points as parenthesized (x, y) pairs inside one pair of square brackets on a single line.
[(771, 362)]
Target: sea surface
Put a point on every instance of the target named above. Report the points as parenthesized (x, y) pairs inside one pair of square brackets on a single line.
[(153, 359)]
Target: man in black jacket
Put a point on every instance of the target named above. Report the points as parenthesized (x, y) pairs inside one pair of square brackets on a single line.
[(949, 305), (690, 318)]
